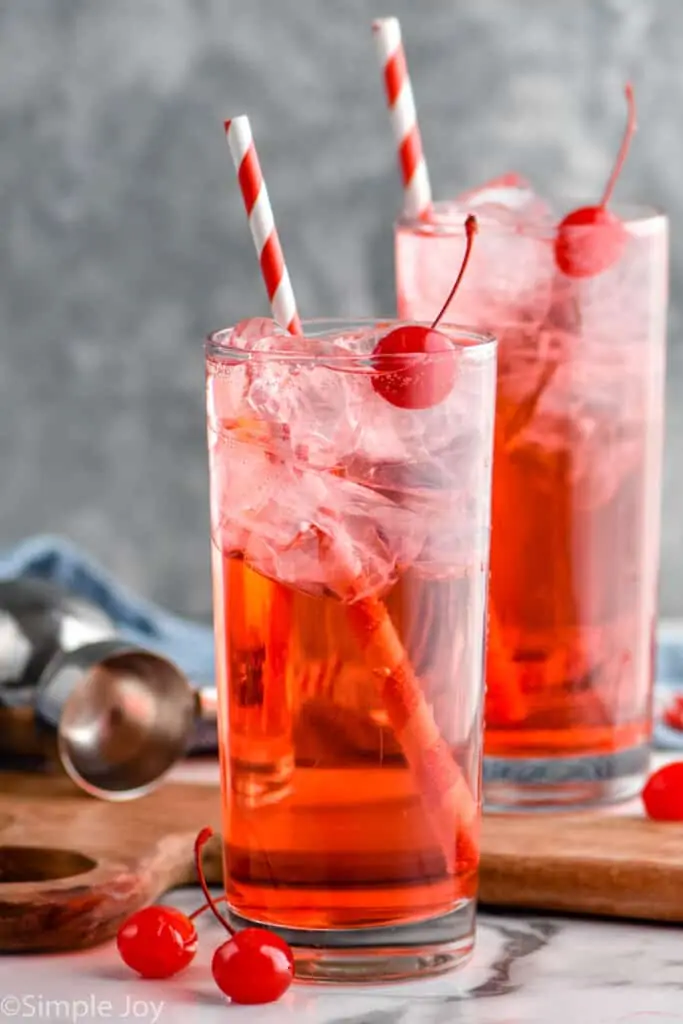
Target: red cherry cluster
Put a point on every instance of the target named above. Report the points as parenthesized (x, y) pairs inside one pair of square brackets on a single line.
[(409, 382), (591, 239), (253, 966)]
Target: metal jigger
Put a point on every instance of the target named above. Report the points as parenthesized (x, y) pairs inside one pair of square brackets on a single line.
[(114, 716)]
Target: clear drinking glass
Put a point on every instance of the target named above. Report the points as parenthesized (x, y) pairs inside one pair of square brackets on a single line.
[(576, 494), (350, 544)]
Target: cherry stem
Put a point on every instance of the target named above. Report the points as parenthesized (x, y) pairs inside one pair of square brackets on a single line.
[(623, 149), (471, 228), (199, 844), (204, 907)]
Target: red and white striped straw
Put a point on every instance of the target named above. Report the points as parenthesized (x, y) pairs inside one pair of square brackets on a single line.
[(262, 224), (399, 92)]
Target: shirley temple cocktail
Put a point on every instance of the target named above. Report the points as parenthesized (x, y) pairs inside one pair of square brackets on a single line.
[(350, 480), (350, 557), (578, 306)]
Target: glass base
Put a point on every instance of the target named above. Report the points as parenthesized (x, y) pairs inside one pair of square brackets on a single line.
[(373, 955), (564, 782)]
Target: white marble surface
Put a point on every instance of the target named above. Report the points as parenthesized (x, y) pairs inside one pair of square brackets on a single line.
[(526, 970)]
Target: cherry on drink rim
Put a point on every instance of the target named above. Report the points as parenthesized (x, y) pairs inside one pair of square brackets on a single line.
[(411, 383), (591, 239)]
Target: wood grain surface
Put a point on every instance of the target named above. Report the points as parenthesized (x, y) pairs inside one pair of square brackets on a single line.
[(72, 868), (125, 856)]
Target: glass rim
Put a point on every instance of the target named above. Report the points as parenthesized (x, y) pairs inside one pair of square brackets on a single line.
[(640, 218), (467, 340)]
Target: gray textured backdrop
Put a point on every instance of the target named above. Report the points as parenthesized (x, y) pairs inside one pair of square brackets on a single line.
[(123, 239)]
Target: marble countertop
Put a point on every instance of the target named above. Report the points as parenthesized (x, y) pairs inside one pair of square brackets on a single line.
[(527, 969)]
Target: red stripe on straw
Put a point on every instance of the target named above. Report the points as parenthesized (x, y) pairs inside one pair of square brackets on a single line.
[(272, 264), (410, 153), (250, 179), (395, 74)]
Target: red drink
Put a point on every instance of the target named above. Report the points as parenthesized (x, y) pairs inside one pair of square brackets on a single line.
[(576, 491), (350, 551)]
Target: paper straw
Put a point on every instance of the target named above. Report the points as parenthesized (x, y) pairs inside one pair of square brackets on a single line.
[(262, 224), (399, 93), (442, 786)]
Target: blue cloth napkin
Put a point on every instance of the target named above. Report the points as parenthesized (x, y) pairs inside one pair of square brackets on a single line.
[(189, 645)]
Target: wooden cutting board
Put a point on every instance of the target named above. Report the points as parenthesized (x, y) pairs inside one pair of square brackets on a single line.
[(72, 868)]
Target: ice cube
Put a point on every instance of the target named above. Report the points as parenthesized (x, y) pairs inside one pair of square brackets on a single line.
[(244, 478), (308, 395), (274, 511), (509, 198), (431, 463), (379, 536), (228, 378), (510, 276), (251, 333), (226, 394)]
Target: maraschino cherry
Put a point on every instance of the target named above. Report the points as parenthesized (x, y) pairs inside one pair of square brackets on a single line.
[(411, 383), (663, 793), (591, 239), (157, 942), (673, 714), (254, 965)]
